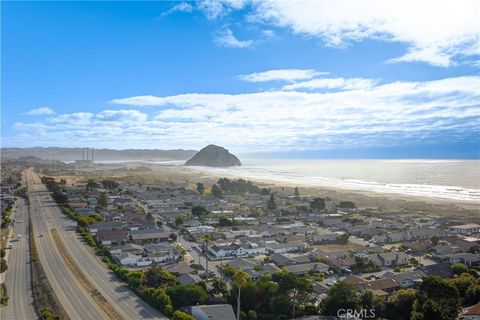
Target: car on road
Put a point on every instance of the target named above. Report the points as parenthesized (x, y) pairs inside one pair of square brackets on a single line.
[(40, 236), (19, 236), (9, 246)]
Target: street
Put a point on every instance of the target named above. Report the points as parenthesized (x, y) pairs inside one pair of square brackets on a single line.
[(121, 298), (18, 277)]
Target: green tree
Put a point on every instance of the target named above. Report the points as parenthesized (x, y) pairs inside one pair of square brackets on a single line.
[(271, 205), (199, 211), (219, 286), (200, 188), (346, 205), (217, 191), (156, 277), (103, 200), (342, 295), (297, 192), (179, 315), (225, 221), (317, 204), (3, 265), (240, 280), (400, 304), (206, 239), (458, 268), (187, 295), (91, 185), (2, 253), (179, 220), (436, 298)]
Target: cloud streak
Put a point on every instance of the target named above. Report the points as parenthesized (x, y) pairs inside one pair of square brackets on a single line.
[(226, 38), (440, 33), (386, 114), (40, 111), (288, 75)]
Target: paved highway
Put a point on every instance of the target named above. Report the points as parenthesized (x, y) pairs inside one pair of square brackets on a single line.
[(122, 299), (74, 299), (20, 305)]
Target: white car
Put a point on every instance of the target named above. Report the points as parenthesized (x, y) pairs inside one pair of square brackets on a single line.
[(9, 246)]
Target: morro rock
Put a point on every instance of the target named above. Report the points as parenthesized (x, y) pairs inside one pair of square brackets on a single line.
[(213, 156)]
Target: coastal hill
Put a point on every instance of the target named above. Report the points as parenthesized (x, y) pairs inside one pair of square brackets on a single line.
[(213, 156), (71, 154)]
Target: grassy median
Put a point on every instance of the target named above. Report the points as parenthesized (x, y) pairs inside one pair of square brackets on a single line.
[(74, 268), (45, 301)]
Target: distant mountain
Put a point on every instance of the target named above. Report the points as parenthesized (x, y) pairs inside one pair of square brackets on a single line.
[(70, 154), (213, 156)]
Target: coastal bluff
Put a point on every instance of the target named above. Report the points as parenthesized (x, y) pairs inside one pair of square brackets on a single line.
[(213, 156)]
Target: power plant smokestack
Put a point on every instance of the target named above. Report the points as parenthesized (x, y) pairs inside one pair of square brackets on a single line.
[(83, 154), (92, 154)]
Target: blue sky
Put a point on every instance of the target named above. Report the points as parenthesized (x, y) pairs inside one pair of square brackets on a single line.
[(291, 78)]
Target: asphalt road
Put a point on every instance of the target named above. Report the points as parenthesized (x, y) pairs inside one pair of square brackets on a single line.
[(122, 299), (76, 301), (18, 274)]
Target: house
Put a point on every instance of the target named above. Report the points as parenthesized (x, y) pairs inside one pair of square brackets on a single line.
[(386, 285), (149, 235), (466, 229), (387, 259), (188, 279), (406, 279), (470, 313), (294, 246), (468, 259), (106, 226), (107, 238), (304, 268), (179, 268), (129, 248), (162, 252), (236, 250), (442, 270), (127, 259), (212, 312)]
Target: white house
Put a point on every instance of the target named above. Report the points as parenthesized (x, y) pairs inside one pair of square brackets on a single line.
[(213, 312), (466, 229), (128, 259), (236, 250)]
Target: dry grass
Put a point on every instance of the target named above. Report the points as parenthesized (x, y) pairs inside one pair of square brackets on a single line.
[(336, 247), (43, 294), (74, 268)]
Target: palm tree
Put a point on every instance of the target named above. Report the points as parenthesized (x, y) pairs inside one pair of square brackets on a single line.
[(240, 279), (206, 238), (182, 251)]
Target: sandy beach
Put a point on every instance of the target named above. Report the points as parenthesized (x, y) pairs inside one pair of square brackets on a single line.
[(189, 176)]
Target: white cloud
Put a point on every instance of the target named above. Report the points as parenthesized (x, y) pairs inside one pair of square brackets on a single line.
[(122, 116), (181, 7), (332, 83), (40, 111), (226, 38), (377, 115), (281, 74), (72, 118), (438, 32), (214, 8)]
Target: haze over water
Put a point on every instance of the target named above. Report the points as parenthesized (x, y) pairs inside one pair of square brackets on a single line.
[(442, 179)]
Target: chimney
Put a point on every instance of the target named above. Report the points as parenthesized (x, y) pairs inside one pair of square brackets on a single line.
[(92, 154), (83, 154), (87, 153)]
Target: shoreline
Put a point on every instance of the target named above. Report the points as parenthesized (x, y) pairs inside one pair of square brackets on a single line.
[(189, 176), (385, 201)]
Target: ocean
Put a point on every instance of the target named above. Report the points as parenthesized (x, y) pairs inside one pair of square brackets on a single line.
[(442, 179)]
